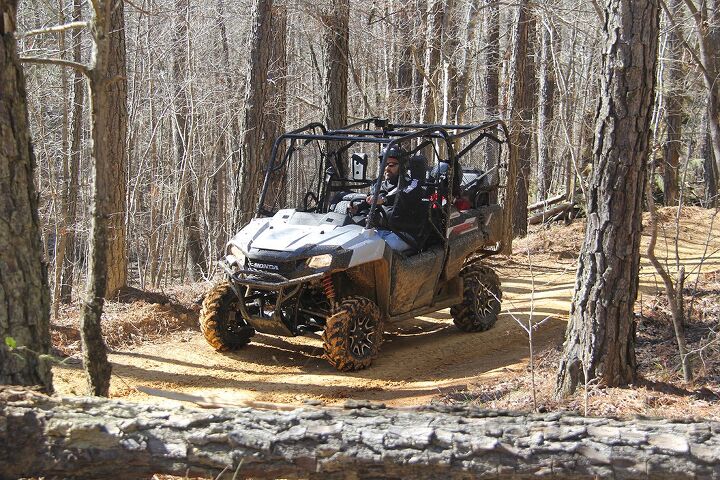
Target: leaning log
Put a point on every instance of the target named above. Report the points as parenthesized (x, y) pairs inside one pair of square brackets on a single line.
[(550, 213), (546, 203), (99, 438)]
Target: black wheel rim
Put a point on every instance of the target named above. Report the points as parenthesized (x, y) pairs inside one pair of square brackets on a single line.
[(361, 337), (484, 301)]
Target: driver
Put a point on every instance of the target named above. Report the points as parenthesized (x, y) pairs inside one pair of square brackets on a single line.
[(387, 198)]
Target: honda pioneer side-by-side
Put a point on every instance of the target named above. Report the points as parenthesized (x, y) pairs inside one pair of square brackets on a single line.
[(313, 262)]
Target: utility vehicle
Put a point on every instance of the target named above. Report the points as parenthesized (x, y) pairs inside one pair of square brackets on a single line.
[(305, 265)]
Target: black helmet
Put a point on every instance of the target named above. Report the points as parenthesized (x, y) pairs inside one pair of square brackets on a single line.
[(395, 151)]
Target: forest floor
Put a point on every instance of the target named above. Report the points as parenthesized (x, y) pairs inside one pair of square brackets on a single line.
[(156, 346)]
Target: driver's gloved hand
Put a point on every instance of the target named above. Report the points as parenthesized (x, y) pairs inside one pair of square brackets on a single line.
[(378, 219)]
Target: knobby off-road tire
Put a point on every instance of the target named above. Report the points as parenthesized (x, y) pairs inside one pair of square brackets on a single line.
[(481, 299), (221, 322), (353, 335)]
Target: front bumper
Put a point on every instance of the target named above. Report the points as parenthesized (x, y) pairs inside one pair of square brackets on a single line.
[(267, 316)]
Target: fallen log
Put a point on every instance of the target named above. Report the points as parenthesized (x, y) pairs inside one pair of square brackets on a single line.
[(547, 214), (546, 203), (98, 438)]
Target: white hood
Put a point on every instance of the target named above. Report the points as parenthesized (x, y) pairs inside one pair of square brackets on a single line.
[(278, 234)]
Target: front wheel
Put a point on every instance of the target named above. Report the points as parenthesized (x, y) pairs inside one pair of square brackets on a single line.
[(481, 299), (353, 335), (221, 322)]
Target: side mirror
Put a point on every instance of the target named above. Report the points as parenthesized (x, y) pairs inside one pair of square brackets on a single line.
[(359, 162)]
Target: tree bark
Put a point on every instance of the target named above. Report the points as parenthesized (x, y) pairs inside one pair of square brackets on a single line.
[(197, 264), (336, 35), (546, 94), (107, 98), (709, 165), (61, 224), (115, 138), (521, 115), (227, 148), (492, 90), (673, 111), (707, 26), (255, 98), (276, 101), (52, 437), (404, 108), (600, 339), (24, 290), (434, 18), (70, 209)]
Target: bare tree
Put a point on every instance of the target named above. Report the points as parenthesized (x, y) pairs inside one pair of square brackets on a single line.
[(114, 139), (24, 292), (522, 99), (491, 82), (706, 17), (255, 98), (546, 99), (600, 338), (183, 135), (71, 192), (108, 98), (435, 18), (674, 103), (336, 32)]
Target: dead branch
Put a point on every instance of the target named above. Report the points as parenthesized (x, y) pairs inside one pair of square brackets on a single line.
[(547, 214), (54, 29), (546, 203)]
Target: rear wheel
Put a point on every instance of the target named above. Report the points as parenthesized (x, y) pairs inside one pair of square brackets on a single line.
[(221, 322), (481, 299), (353, 335)]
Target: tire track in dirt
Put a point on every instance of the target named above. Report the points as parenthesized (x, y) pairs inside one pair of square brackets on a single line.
[(420, 359)]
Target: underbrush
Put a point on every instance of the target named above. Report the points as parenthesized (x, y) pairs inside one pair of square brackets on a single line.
[(132, 319)]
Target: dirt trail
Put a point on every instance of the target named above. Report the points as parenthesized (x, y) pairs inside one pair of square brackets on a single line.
[(420, 359)]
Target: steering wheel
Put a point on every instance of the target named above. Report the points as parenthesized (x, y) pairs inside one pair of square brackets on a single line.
[(306, 204), (355, 201), (381, 216)]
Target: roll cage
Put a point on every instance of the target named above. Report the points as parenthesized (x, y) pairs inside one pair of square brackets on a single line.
[(287, 181)]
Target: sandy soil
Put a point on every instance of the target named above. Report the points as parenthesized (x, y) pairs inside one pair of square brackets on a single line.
[(423, 360)]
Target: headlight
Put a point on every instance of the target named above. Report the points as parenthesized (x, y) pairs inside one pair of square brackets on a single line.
[(320, 261), (238, 255)]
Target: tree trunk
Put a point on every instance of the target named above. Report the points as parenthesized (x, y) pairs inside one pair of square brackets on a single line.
[(105, 96), (492, 88), (673, 111), (521, 123), (434, 18), (600, 339), (707, 26), (52, 437), (276, 101), (227, 149), (183, 156), (451, 61), (404, 67), (336, 35), (709, 173), (115, 81), (74, 168), (61, 228), (545, 112), (255, 98), (24, 290)]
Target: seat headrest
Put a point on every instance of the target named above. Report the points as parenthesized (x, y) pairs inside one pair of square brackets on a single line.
[(418, 167)]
